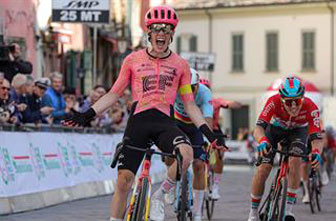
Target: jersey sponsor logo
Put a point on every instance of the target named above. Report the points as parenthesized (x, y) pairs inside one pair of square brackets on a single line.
[(150, 82), (180, 139), (268, 108), (316, 119)]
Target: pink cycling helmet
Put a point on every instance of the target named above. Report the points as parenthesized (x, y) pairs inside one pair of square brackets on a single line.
[(205, 82), (161, 14)]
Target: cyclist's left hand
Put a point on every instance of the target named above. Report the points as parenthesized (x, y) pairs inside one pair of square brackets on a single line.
[(316, 159), (219, 143)]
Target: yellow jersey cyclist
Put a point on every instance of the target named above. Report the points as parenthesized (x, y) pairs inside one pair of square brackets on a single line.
[(295, 117), (156, 75)]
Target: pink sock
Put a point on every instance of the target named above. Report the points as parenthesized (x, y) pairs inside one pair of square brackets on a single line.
[(167, 185)]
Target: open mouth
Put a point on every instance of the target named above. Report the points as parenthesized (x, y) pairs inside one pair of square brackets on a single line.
[(160, 42)]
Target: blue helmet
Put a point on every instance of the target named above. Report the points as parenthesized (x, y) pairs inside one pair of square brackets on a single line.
[(292, 87)]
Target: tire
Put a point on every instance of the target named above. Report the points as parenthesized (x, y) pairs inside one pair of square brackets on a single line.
[(318, 191), (281, 213), (209, 202), (274, 203), (141, 202), (311, 192), (182, 210)]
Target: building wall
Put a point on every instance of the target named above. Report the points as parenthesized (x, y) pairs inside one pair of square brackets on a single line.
[(19, 20), (289, 21)]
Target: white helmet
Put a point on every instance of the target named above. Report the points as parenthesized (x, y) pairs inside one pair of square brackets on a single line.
[(194, 76)]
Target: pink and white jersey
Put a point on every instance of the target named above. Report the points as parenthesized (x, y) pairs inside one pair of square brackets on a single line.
[(154, 81), (217, 104)]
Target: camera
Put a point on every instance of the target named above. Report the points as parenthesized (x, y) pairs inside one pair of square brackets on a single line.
[(5, 50)]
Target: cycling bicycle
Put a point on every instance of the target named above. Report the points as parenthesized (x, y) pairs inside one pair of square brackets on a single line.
[(208, 202), (138, 207), (273, 207), (314, 190), (184, 196)]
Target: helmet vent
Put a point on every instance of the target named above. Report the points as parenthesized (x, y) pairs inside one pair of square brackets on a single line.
[(169, 14), (156, 14), (162, 14), (175, 16), (149, 15)]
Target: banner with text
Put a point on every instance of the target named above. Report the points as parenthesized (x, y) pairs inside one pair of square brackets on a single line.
[(83, 11), (35, 162)]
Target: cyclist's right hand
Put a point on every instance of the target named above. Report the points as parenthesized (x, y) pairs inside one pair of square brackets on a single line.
[(79, 119), (264, 147)]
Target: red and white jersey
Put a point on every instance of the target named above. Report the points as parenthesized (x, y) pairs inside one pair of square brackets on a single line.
[(217, 104), (275, 114)]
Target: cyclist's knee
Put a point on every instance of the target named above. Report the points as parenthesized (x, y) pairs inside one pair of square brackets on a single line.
[(187, 154), (125, 180)]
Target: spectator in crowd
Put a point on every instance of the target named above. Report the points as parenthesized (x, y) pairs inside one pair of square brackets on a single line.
[(29, 85), (54, 98), (35, 113), (119, 117), (103, 120), (2, 77), (18, 94), (8, 113), (15, 64), (100, 89)]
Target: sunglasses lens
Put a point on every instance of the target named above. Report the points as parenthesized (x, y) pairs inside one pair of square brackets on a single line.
[(291, 102), (156, 28)]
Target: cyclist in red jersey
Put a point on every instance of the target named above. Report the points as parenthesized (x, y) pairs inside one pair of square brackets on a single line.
[(217, 104), (155, 74), (292, 116)]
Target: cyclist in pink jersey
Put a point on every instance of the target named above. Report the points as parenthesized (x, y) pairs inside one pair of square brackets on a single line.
[(292, 116), (217, 104), (156, 75)]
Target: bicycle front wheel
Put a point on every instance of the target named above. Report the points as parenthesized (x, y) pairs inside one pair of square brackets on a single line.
[(183, 200), (311, 192), (284, 184), (142, 203), (209, 202), (318, 191)]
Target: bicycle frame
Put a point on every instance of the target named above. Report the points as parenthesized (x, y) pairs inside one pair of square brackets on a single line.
[(276, 187), (144, 173), (139, 196)]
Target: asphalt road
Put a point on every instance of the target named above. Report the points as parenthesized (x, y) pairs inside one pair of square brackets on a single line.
[(233, 206)]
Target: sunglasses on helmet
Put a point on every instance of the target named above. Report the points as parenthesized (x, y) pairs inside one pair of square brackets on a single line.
[(165, 28), (292, 101)]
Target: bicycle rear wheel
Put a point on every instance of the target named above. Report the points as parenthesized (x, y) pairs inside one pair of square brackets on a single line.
[(183, 200), (141, 205), (209, 202)]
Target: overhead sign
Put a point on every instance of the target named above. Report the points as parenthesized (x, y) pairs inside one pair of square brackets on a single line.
[(200, 61), (82, 11)]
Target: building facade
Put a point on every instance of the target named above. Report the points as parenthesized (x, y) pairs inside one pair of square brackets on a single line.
[(257, 42)]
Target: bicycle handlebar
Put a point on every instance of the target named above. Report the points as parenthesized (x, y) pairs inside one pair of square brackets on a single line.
[(286, 153)]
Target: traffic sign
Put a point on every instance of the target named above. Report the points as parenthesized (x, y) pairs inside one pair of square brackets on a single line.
[(81, 11), (200, 61)]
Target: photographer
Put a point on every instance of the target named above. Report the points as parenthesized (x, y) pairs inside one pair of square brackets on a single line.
[(11, 62)]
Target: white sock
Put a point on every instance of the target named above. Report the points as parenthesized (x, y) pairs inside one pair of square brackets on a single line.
[(198, 201), (115, 219)]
